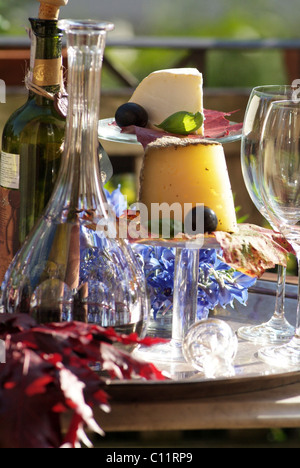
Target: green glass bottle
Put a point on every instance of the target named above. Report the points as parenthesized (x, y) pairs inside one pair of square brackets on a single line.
[(32, 143)]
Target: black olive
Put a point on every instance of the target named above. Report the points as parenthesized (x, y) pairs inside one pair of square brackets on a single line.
[(131, 114), (193, 223), (199, 220), (210, 220)]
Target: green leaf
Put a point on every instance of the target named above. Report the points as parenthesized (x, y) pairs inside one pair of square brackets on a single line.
[(182, 122)]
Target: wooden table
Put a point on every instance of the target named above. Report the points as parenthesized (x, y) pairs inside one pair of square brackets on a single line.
[(241, 402), (268, 408)]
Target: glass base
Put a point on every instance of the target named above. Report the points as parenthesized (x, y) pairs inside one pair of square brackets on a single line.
[(184, 315), (276, 330), (161, 325), (286, 356), (162, 352)]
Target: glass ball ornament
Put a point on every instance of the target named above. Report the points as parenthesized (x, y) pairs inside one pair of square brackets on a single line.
[(210, 346)]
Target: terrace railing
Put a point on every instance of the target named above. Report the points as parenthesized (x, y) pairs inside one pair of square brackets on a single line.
[(14, 54)]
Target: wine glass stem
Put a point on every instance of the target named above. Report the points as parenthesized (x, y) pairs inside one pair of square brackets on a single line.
[(280, 293), (297, 330), (185, 293)]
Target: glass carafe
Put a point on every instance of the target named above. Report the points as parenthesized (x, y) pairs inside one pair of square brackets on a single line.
[(73, 265)]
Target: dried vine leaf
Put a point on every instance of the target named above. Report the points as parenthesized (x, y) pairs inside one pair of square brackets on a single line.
[(253, 249)]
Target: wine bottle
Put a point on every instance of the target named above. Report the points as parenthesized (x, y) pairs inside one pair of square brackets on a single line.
[(32, 138)]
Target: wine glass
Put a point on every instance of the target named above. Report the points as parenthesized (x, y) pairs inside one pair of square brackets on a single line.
[(279, 184), (277, 329)]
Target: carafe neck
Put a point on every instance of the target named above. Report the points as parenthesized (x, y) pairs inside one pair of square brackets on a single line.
[(79, 182)]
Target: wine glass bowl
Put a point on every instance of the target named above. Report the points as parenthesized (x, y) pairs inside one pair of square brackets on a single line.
[(279, 185), (277, 329)]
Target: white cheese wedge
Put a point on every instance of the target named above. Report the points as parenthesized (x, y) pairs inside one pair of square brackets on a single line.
[(164, 92)]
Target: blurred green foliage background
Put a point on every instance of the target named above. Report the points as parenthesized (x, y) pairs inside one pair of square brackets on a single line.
[(237, 19)]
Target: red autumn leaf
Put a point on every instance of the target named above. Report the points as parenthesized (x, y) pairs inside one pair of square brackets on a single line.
[(39, 386), (48, 372), (27, 421)]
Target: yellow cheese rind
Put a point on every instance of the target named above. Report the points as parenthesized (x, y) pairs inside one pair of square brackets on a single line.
[(188, 171), (164, 92)]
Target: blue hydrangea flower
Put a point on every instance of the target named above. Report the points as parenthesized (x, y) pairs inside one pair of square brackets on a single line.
[(117, 200), (219, 284), (158, 266)]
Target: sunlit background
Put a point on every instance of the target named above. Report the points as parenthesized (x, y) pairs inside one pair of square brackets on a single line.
[(236, 19), (230, 18)]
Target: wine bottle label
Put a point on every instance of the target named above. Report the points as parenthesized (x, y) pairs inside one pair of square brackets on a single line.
[(10, 170), (9, 227), (47, 72), (9, 208)]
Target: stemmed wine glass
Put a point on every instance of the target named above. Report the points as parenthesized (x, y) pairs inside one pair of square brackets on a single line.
[(279, 184), (277, 329)]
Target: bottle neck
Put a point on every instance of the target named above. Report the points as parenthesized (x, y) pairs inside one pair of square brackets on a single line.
[(46, 71)]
